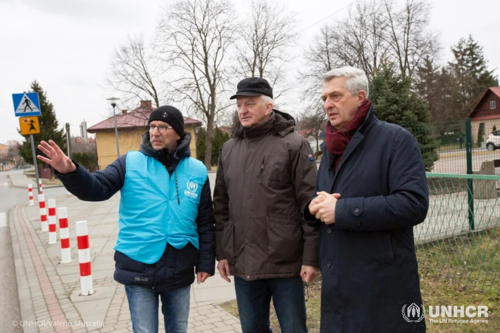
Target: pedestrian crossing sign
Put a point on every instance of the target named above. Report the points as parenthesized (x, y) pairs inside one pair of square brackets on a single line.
[(26, 104), (29, 125)]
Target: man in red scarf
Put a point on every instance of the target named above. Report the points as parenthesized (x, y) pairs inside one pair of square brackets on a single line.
[(371, 192)]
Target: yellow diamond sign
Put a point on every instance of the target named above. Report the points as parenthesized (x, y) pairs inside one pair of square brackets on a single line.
[(29, 125)]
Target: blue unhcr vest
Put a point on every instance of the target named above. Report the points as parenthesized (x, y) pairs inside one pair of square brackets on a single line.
[(156, 208)]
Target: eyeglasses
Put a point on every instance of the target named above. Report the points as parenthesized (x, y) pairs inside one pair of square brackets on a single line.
[(162, 129)]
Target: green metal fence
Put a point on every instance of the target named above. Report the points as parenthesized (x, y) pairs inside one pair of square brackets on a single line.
[(459, 240), (446, 146)]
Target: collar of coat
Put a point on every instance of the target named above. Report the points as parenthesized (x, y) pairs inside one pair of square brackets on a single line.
[(279, 123), (170, 160)]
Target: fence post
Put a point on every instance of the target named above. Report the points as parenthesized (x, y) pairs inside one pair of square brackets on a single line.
[(64, 233), (470, 182), (82, 239), (30, 192)]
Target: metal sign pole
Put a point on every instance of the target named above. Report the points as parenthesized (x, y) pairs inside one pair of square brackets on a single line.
[(34, 162)]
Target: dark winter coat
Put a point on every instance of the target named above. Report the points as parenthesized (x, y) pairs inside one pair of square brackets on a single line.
[(368, 263), (175, 268), (265, 176)]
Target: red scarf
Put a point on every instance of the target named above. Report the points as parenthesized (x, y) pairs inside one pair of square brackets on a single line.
[(337, 140)]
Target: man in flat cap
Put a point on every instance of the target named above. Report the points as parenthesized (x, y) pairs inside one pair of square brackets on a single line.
[(165, 218), (266, 174)]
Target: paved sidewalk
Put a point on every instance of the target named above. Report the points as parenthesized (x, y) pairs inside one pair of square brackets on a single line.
[(49, 291)]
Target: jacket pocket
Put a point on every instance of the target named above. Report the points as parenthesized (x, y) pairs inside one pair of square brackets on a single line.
[(382, 253), (186, 259), (228, 242), (274, 171), (130, 271), (285, 242)]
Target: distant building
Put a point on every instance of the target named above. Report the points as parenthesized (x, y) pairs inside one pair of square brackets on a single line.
[(486, 114), (131, 126), (83, 131)]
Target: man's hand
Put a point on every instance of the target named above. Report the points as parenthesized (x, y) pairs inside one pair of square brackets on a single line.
[(314, 204), (56, 158), (202, 276), (223, 267), (308, 273), (325, 211)]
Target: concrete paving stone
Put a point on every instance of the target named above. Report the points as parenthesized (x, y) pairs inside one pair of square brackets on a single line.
[(124, 318), (101, 293), (104, 229), (197, 323), (93, 311), (107, 329), (112, 313), (212, 320), (203, 328), (80, 330), (223, 329), (112, 320), (204, 307), (122, 330), (204, 312), (215, 315), (237, 327), (198, 318), (121, 326)]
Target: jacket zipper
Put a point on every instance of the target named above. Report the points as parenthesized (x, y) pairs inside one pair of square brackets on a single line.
[(261, 170)]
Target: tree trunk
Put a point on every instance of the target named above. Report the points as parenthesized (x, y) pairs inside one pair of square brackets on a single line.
[(208, 142)]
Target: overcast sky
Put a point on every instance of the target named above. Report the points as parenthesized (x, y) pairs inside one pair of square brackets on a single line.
[(67, 45)]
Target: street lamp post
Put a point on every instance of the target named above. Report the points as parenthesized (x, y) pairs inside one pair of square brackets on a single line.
[(113, 104)]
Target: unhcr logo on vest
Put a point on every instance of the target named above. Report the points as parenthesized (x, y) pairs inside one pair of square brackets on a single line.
[(413, 313), (191, 190)]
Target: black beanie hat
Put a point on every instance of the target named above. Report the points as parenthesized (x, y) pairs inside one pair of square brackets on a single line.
[(170, 115)]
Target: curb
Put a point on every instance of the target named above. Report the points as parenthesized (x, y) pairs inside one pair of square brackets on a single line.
[(26, 309)]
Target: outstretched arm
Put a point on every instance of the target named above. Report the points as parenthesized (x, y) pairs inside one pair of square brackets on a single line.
[(97, 186), (56, 158)]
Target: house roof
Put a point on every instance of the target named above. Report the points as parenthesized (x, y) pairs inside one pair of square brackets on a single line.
[(133, 119), (494, 90)]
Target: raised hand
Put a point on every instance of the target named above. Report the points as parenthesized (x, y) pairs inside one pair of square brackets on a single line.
[(55, 157)]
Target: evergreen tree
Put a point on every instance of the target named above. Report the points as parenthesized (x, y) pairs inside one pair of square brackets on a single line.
[(200, 144), (395, 102), (469, 69), (48, 127), (218, 140), (436, 87)]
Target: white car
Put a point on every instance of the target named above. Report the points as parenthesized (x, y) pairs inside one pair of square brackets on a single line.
[(493, 141)]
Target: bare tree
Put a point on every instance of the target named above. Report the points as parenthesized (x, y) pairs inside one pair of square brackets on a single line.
[(408, 36), (313, 123), (194, 36), (266, 35), (373, 33), (131, 72)]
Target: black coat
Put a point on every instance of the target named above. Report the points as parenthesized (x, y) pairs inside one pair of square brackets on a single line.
[(175, 269), (368, 263)]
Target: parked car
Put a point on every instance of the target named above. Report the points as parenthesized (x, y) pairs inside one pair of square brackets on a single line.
[(493, 141)]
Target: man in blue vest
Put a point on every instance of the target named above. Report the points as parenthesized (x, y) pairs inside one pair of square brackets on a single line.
[(165, 218)]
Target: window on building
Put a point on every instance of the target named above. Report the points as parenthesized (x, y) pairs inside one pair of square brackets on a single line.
[(493, 105)]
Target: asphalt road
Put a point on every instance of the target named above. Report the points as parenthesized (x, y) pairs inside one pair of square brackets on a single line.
[(9, 299)]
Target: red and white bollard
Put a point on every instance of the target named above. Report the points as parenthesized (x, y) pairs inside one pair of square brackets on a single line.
[(43, 212), (64, 235), (82, 237), (40, 186), (52, 222), (30, 192)]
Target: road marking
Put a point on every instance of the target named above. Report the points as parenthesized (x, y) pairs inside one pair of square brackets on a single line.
[(3, 220), (4, 184)]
